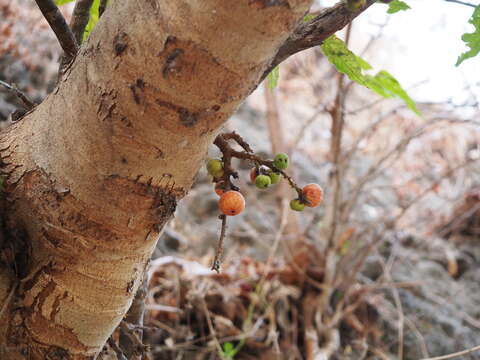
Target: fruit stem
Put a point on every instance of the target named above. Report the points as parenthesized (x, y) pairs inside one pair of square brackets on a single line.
[(217, 260), (229, 153)]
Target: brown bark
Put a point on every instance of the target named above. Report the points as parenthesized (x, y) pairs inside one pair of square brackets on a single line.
[(94, 172), (314, 32), (80, 17)]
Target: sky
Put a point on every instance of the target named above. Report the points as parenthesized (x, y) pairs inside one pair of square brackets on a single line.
[(419, 44)]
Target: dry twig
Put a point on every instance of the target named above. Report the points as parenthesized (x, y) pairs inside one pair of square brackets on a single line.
[(8, 299), (130, 341), (394, 153), (29, 104), (454, 355), (335, 184), (211, 328), (301, 133), (217, 260), (116, 349), (398, 303)]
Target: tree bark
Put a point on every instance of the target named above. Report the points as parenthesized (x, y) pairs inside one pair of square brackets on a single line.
[(94, 172)]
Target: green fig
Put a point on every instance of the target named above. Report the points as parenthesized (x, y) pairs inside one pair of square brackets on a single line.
[(274, 177), (281, 161), (262, 181), (215, 167), (297, 205)]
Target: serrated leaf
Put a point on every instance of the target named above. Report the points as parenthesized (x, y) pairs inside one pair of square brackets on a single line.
[(396, 6), (62, 2), (272, 78), (92, 21), (384, 84), (472, 39), (346, 62)]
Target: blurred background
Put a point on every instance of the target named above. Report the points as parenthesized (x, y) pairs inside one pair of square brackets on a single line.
[(388, 267)]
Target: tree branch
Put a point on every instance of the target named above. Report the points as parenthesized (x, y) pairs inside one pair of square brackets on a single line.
[(229, 153), (102, 7), (314, 32), (80, 16), (29, 104), (217, 260), (59, 26), (462, 3), (457, 354)]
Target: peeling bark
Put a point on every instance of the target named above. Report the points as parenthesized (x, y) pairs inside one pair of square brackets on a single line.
[(95, 171)]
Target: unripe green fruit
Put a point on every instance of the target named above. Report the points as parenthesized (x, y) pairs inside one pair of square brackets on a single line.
[(215, 167), (274, 177), (262, 181), (281, 161), (297, 205)]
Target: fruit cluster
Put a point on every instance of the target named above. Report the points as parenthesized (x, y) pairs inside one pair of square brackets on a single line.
[(263, 175)]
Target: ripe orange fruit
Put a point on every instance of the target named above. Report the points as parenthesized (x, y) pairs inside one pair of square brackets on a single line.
[(313, 193), (220, 188), (231, 203)]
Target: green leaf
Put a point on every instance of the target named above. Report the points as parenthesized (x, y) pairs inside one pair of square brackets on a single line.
[(472, 39), (272, 78), (353, 66), (228, 347), (396, 6), (308, 17), (344, 60), (94, 15), (229, 350), (383, 83), (62, 2)]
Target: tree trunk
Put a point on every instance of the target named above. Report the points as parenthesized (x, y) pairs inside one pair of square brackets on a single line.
[(94, 172)]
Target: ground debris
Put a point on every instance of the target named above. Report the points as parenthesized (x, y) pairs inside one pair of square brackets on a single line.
[(248, 311)]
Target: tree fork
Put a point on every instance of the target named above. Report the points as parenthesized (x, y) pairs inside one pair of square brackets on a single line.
[(94, 172)]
